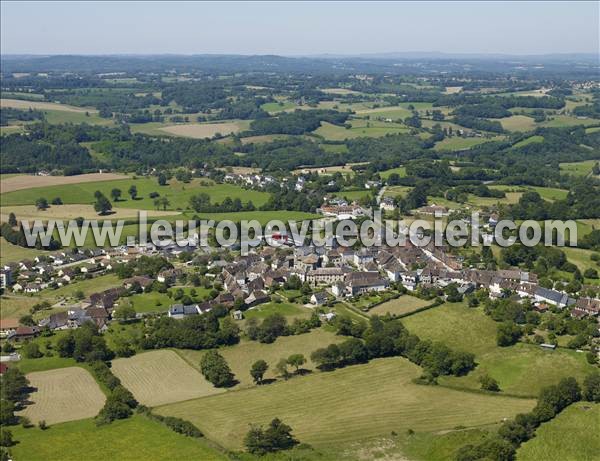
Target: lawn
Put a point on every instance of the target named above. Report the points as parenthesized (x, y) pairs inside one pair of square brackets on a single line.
[(178, 193), (581, 258), (572, 435), (288, 310), (353, 195), (160, 302), (160, 377), (64, 394), (273, 107), (241, 356), (399, 306), (346, 405), (131, 439)]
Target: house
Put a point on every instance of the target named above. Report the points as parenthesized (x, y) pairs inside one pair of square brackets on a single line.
[(387, 203), (363, 282), (169, 276), (338, 289), (237, 315), (179, 311), (434, 209), (141, 280), (32, 287), (328, 317), (22, 333), (589, 306), (553, 297), (3, 368), (256, 297), (58, 321), (8, 327), (318, 299), (362, 257), (5, 277), (325, 275)]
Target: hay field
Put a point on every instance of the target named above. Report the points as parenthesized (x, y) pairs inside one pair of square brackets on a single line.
[(205, 130), (64, 394), (353, 403), (402, 305), (161, 377), (241, 356), (128, 439), (40, 105), (74, 211), (517, 123), (568, 437), (21, 182)]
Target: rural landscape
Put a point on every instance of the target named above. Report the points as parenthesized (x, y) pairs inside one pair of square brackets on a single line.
[(301, 348)]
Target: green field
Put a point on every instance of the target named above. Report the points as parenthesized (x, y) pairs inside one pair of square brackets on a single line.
[(578, 168), (177, 193), (273, 107), (359, 129), (241, 356), (572, 436), (135, 438), (459, 143), (530, 140), (400, 171), (559, 121), (517, 123), (399, 306), (14, 253), (521, 369), (352, 195), (346, 405), (161, 302)]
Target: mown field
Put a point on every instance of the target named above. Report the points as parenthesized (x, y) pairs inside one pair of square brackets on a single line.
[(399, 306), (578, 168), (178, 193), (573, 435), (350, 404), (360, 128), (241, 356), (9, 183), (68, 212), (206, 130), (13, 253), (521, 369), (160, 377), (459, 143), (64, 394), (131, 439)]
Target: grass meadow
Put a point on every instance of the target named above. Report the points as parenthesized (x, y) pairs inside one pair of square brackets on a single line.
[(135, 438), (345, 405), (573, 435)]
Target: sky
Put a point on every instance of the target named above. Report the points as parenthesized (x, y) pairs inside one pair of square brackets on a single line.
[(298, 28)]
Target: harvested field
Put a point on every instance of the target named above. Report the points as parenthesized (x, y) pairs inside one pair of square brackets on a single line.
[(161, 377), (40, 105), (205, 130), (346, 405), (29, 182), (64, 394), (399, 306), (74, 211)]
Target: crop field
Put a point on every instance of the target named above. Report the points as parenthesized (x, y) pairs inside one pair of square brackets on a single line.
[(134, 438), (345, 405), (571, 436), (161, 377), (41, 105), (65, 394), (9, 183), (399, 306), (559, 121), (74, 211), (241, 356), (392, 112), (517, 123), (206, 130), (178, 193)]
